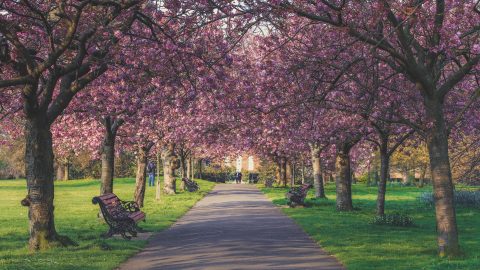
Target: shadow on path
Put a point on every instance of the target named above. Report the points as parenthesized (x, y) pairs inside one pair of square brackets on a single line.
[(233, 227)]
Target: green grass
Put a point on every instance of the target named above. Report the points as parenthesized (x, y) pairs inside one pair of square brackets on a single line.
[(75, 216), (359, 245)]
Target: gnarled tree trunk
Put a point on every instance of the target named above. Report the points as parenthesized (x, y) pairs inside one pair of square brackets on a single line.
[(108, 153), (170, 163), (141, 178), (437, 143), (343, 177), (317, 171), (39, 173)]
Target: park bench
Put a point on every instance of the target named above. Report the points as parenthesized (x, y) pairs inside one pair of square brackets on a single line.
[(296, 195), (190, 185), (121, 216)]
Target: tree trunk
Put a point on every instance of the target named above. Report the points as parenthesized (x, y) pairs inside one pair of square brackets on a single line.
[(141, 178), (184, 161), (169, 164), (422, 176), (437, 143), (288, 168), (404, 174), (293, 174), (108, 153), (66, 170), (39, 173), (158, 190), (108, 160), (283, 171), (200, 168), (278, 172), (193, 161), (303, 172), (189, 168), (343, 178), (317, 171), (60, 171), (384, 175)]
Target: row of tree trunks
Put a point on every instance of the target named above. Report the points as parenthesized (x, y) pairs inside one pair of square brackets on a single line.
[(141, 176)]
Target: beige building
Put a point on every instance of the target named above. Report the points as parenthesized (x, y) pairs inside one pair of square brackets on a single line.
[(243, 163)]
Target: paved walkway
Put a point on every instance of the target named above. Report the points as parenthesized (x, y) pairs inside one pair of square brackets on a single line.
[(234, 227)]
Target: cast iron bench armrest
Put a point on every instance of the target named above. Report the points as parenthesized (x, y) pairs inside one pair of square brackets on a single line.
[(130, 206)]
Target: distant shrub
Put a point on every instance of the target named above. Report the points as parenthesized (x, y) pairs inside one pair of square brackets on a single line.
[(395, 219), (465, 198), (267, 173), (363, 178)]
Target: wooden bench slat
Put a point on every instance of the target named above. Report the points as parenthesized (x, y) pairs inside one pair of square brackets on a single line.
[(107, 196)]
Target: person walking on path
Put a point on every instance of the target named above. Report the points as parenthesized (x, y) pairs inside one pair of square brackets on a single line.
[(151, 173), (238, 178)]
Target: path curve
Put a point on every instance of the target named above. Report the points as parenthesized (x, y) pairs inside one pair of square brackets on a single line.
[(233, 227)]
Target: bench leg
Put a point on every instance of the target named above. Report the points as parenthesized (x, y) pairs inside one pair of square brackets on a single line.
[(125, 236), (139, 229), (108, 234)]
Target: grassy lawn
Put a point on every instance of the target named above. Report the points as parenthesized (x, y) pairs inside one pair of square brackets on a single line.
[(75, 216), (359, 245)]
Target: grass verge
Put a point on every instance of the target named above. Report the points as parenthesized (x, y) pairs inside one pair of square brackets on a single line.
[(75, 216), (361, 245)]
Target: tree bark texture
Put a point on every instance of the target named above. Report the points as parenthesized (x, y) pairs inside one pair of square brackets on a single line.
[(158, 188), (141, 177), (343, 178), (200, 168), (189, 167), (108, 153), (66, 170), (283, 171), (170, 163), (437, 143), (39, 173), (384, 175), (60, 171), (317, 172)]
